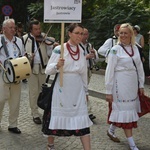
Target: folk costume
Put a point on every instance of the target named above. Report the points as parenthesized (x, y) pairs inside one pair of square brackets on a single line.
[(38, 65), (123, 81), (68, 112), (108, 44), (90, 65), (10, 91)]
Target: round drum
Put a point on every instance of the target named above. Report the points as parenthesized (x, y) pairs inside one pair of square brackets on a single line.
[(17, 69)]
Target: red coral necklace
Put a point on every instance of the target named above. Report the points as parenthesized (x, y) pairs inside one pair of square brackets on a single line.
[(132, 52), (72, 53)]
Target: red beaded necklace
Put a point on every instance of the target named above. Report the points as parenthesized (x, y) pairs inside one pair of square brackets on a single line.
[(73, 53), (132, 52)]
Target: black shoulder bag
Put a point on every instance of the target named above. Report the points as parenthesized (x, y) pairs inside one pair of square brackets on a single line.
[(45, 96)]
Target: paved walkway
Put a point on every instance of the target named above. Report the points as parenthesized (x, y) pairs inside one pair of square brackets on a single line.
[(32, 139)]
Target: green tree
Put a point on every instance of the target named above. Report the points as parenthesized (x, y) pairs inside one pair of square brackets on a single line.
[(119, 12), (101, 25)]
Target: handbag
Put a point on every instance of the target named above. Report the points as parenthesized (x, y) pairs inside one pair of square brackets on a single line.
[(145, 105), (45, 96)]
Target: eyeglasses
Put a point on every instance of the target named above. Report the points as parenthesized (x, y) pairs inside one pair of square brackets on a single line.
[(78, 33)]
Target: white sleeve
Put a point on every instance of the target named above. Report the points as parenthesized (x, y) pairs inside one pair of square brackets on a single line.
[(96, 56), (51, 66), (110, 70), (103, 50)]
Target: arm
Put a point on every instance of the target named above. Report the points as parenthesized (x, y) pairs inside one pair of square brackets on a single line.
[(103, 50), (55, 62), (96, 57), (85, 78), (109, 75), (93, 54)]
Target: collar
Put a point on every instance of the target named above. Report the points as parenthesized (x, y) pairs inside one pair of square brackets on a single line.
[(7, 40)]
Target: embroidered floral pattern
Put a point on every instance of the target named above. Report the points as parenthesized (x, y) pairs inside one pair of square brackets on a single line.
[(120, 100), (57, 50), (132, 100), (57, 132), (113, 51)]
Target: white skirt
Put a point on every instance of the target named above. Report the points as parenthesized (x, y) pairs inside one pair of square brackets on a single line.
[(126, 102), (69, 104)]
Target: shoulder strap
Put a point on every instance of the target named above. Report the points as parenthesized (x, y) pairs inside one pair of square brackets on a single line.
[(130, 56), (82, 46), (4, 45), (112, 42), (24, 41), (90, 60), (47, 78), (54, 80), (1, 47), (40, 54), (87, 48), (17, 46)]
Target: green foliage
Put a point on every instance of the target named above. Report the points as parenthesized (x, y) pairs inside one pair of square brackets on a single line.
[(99, 16), (36, 10), (119, 12), (101, 25)]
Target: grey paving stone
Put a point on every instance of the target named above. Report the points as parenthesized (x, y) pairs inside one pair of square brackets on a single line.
[(32, 138)]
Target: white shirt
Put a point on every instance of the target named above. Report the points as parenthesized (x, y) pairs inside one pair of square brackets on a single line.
[(105, 48), (13, 50)]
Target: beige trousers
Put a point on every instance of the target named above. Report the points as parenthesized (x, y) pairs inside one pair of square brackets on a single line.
[(10, 92), (35, 82)]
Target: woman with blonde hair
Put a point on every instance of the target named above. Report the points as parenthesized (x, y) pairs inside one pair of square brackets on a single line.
[(124, 78)]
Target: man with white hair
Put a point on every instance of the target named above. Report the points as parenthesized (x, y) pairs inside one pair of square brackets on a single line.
[(10, 47)]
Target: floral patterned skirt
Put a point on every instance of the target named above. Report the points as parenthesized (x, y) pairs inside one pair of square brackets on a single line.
[(58, 132)]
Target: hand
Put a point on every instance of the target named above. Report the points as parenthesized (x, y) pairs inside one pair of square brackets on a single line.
[(55, 44), (141, 91), (93, 52), (109, 98), (60, 63), (143, 59), (90, 55)]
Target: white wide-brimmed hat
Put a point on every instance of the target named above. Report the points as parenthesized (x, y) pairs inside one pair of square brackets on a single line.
[(137, 27)]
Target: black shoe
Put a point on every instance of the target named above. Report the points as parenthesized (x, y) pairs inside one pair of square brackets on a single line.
[(37, 120), (14, 130), (92, 117)]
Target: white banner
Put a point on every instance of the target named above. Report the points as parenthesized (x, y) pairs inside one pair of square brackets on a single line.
[(58, 11)]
